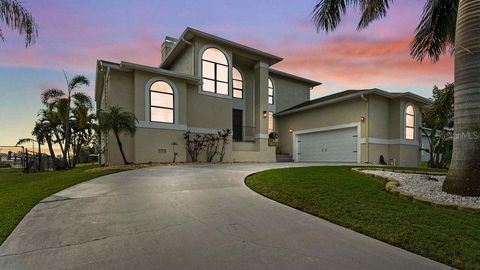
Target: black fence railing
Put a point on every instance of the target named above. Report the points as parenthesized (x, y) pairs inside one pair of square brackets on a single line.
[(26, 160), (243, 134)]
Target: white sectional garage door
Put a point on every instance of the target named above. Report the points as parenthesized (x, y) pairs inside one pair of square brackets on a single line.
[(338, 145)]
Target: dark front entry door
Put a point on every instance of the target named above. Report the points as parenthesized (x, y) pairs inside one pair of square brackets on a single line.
[(237, 122)]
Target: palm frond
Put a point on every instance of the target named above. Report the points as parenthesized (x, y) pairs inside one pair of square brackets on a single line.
[(51, 94), (82, 99), (15, 16), (327, 14), (78, 81), (372, 10), (436, 31), (117, 120), (24, 141)]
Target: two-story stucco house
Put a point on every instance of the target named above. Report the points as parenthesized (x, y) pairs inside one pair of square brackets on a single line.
[(206, 83)]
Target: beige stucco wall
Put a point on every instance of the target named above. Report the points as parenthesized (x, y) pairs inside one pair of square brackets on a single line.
[(184, 63), (330, 115), (289, 92)]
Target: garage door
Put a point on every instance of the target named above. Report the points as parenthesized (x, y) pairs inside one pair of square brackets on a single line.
[(338, 145)]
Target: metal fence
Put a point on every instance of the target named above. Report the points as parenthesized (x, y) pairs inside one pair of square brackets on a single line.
[(26, 160)]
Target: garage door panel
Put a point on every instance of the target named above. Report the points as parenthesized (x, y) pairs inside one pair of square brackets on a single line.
[(339, 145)]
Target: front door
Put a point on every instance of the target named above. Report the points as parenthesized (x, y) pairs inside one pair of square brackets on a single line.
[(237, 122)]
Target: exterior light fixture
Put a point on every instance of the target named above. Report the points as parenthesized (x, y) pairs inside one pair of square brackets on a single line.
[(264, 114), (362, 119), (290, 130)]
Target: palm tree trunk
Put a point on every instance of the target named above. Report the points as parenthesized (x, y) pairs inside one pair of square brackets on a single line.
[(464, 174), (39, 165), (52, 153), (121, 148)]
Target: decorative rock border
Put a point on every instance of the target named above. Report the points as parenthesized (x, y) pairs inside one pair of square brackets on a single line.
[(392, 187)]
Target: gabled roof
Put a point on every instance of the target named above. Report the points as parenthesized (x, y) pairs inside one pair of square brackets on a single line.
[(312, 83), (350, 94), (190, 33)]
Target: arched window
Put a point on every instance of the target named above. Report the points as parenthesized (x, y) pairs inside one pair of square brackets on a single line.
[(409, 123), (161, 102), (271, 91), (215, 71), (237, 83)]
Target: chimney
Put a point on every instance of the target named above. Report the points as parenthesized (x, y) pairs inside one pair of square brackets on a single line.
[(167, 46)]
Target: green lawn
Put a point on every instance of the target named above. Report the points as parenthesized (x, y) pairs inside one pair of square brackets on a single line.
[(19, 192), (359, 202)]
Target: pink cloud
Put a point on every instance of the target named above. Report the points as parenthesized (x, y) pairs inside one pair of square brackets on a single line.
[(356, 63)]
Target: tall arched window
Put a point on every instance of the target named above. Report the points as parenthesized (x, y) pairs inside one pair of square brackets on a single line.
[(271, 91), (215, 71), (237, 83), (409, 123), (161, 102)]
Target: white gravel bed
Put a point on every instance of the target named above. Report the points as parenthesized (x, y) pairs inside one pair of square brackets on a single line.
[(427, 186)]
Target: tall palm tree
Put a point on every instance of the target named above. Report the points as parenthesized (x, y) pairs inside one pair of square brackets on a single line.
[(118, 121), (62, 102), (18, 18), (445, 24)]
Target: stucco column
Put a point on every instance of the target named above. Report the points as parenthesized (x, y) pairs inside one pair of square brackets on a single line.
[(261, 104)]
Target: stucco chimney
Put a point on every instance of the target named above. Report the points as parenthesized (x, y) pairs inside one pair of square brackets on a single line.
[(167, 46)]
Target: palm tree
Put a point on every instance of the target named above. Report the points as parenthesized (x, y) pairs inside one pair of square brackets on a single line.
[(18, 18), (445, 24), (61, 101), (118, 121)]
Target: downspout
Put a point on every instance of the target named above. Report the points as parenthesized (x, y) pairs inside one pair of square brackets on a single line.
[(367, 100), (193, 54)]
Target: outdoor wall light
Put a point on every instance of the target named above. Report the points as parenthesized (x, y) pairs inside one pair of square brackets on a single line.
[(264, 114), (362, 119), (290, 130)]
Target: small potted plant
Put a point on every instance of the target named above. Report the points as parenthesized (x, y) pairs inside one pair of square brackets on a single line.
[(273, 139)]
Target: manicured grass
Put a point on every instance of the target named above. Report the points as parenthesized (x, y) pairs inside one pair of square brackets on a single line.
[(20, 192), (359, 202)]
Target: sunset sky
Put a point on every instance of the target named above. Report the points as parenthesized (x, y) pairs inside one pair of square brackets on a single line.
[(74, 34)]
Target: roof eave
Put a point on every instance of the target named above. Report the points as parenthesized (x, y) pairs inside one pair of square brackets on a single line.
[(311, 83), (190, 33)]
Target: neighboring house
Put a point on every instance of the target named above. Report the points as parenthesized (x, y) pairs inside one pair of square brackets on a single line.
[(205, 83)]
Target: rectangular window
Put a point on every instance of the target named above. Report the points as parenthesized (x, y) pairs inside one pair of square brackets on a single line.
[(215, 77)]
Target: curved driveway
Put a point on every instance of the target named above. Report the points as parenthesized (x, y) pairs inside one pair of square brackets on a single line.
[(187, 217)]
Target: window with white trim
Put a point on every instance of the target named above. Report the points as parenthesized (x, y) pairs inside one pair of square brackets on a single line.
[(410, 123), (271, 91), (215, 71), (162, 102), (237, 82)]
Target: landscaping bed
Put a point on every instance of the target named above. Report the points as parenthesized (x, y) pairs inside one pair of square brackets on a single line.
[(427, 187), (361, 203)]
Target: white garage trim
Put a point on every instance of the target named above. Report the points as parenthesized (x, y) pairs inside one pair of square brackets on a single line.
[(350, 125)]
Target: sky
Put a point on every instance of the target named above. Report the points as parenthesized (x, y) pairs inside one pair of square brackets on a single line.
[(74, 34)]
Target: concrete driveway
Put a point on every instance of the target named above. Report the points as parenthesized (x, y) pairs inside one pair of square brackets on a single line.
[(187, 217)]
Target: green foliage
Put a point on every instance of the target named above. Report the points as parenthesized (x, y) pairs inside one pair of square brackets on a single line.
[(15, 16), (438, 119), (359, 202), (20, 192), (118, 121)]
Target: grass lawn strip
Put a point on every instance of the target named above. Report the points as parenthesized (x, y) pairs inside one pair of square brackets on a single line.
[(360, 202), (20, 192)]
